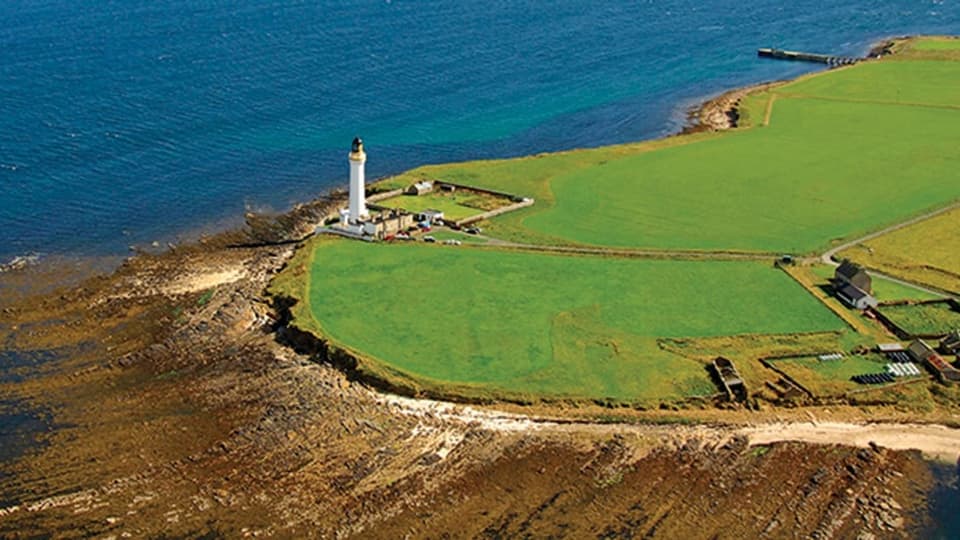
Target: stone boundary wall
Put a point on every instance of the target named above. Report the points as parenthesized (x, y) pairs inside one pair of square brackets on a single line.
[(384, 195), (511, 196), (901, 332), (494, 213)]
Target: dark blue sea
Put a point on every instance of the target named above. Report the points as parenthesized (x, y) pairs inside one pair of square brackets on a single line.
[(128, 121)]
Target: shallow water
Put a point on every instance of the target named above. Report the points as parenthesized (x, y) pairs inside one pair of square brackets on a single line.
[(19, 431), (21, 425), (945, 504), (128, 122)]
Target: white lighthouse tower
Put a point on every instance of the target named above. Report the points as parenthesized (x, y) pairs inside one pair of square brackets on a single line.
[(358, 199)]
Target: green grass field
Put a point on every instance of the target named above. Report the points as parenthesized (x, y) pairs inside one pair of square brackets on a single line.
[(456, 205), (845, 152), (924, 252), (450, 206), (549, 325), (832, 377), (937, 44), (923, 319), (884, 290)]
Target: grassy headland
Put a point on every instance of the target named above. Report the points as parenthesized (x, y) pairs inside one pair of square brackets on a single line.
[(827, 157), (831, 156), (532, 324)]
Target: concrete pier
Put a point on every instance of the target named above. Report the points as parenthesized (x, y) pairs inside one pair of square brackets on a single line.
[(806, 57)]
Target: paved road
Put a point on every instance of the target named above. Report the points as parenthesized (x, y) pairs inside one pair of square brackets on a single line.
[(828, 256)]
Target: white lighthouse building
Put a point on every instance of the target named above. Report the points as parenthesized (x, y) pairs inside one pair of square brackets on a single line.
[(355, 219), (358, 199)]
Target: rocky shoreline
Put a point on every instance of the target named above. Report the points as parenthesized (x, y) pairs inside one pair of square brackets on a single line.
[(182, 415)]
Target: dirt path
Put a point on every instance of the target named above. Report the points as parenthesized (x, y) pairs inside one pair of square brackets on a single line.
[(632, 253), (934, 441), (769, 111)]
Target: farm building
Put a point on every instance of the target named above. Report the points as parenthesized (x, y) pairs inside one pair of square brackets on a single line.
[(951, 343), (852, 274), (420, 188), (919, 350), (431, 216), (922, 352), (855, 297)]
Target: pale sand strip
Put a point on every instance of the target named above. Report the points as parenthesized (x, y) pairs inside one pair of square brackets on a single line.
[(934, 441)]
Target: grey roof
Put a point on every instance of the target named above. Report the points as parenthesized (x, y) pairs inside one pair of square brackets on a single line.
[(848, 269), (851, 292), (920, 350)]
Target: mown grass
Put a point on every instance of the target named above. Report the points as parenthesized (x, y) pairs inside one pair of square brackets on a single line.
[(890, 81), (926, 48), (925, 252), (821, 170), (453, 205), (845, 152), (831, 377), (943, 44), (546, 325), (924, 319)]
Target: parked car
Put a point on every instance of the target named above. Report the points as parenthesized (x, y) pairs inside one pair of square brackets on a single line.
[(473, 230), (429, 238), (452, 242)]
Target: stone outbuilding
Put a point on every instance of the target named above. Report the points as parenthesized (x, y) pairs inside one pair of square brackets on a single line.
[(420, 188), (925, 354), (849, 273), (951, 343)]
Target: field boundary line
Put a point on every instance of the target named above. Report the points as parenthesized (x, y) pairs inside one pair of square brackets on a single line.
[(627, 253), (847, 318), (871, 101), (769, 111)]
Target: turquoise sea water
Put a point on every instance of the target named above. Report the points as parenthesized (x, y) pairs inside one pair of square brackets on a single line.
[(127, 122)]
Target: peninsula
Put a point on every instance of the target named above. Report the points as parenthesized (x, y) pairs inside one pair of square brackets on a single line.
[(646, 340)]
